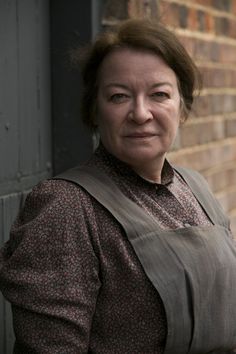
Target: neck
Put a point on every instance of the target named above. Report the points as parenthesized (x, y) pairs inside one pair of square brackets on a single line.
[(151, 173)]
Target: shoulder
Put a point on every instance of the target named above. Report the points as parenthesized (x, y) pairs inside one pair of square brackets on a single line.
[(187, 171), (57, 189), (55, 219), (201, 189), (192, 176), (196, 182), (55, 199)]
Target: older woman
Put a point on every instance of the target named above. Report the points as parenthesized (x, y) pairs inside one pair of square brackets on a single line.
[(126, 254)]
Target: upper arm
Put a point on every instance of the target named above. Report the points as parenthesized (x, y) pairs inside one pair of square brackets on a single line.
[(50, 274)]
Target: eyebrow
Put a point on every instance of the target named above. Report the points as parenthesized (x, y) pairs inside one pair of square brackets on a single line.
[(164, 83), (116, 84)]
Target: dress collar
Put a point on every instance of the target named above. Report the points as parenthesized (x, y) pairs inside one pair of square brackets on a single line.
[(113, 164)]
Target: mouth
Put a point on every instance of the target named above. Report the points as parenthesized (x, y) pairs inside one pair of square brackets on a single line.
[(140, 135)]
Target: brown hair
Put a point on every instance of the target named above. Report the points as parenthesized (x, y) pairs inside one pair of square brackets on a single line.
[(144, 35)]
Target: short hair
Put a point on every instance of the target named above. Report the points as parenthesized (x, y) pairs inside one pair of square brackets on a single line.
[(141, 34)]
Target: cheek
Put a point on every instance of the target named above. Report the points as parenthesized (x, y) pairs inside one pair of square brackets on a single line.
[(110, 118), (104, 110), (175, 112), (103, 120), (168, 117)]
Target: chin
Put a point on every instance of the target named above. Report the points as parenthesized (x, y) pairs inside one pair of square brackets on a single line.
[(138, 158), (138, 155)]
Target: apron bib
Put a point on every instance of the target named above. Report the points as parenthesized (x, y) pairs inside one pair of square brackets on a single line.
[(193, 269)]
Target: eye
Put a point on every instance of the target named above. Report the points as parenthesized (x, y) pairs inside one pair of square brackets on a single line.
[(118, 98), (160, 95)]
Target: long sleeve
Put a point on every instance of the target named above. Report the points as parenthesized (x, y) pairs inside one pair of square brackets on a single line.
[(49, 272)]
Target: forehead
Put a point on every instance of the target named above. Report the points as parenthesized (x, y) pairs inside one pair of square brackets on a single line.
[(127, 63)]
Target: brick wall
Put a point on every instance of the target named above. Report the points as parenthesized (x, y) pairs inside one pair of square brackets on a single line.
[(207, 141)]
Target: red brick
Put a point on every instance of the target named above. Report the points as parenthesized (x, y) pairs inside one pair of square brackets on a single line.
[(202, 50), (223, 5), (210, 23), (233, 7), (229, 103), (169, 13), (230, 78), (192, 19), (189, 44), (230, 127), (201, 132), (201, 20), (222, 26), (183, 16), (227, 199), (232, 29), (204, 2), (142, 8), (215, 52), (228, 53), (214, 104), (214, 77), (221, 178), (201, 106), (206, 156), (233, 78)]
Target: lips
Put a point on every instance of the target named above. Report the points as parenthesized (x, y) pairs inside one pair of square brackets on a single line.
[(140, 135)]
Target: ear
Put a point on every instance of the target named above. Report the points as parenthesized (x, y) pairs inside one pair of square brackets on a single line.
[(183, 111), (182, 119), (96, 139)]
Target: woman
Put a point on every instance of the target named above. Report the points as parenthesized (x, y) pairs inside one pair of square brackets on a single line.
[(126, 254)]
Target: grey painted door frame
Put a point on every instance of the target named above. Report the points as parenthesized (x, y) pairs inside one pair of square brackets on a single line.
[(40, 129), (25, 116)]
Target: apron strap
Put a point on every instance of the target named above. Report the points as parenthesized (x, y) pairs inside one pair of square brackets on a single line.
[(204, 196), (99, 185), (192, 269), (131, 216)]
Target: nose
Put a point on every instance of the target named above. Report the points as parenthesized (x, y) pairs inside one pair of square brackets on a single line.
[(140, 112)]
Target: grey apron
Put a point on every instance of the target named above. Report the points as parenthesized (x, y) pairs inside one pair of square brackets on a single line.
[(193, 268)]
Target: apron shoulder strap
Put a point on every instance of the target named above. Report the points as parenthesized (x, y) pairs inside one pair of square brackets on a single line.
[(100, 186), (203, 194), (129, 214)]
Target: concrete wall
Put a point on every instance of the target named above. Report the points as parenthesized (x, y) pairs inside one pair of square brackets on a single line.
[(207, 28)]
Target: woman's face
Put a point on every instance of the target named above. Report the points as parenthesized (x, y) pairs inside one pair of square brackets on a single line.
[(138, 106)]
